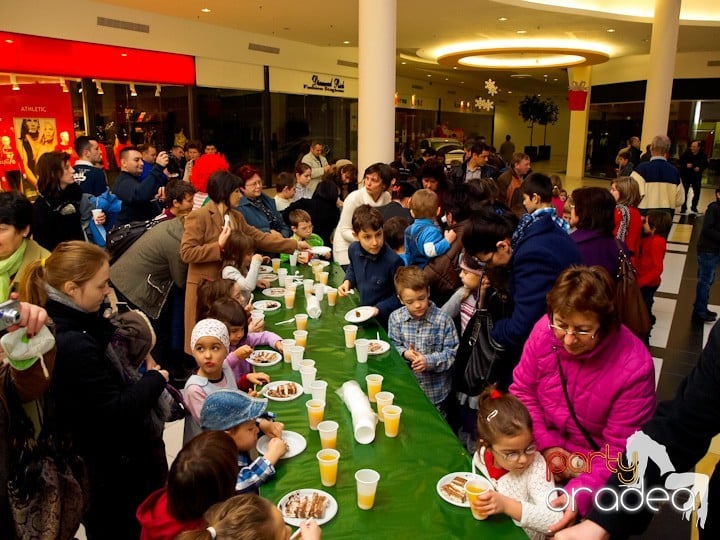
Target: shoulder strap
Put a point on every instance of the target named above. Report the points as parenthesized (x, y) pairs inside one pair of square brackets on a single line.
[(585, 433)]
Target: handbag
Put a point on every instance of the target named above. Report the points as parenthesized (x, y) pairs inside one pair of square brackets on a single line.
[(631, 308), (595, 446), (48, 488)]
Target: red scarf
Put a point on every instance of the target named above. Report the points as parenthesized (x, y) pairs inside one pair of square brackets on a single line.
[(495, 472)]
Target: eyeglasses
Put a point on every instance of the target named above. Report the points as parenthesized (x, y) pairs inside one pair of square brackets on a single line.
[(515, 456), (561, 332)]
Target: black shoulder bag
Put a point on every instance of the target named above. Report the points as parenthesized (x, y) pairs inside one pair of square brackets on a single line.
[(584, 431)]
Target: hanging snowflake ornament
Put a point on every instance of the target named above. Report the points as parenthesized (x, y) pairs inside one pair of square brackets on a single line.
[(491, 87), (485, 104)]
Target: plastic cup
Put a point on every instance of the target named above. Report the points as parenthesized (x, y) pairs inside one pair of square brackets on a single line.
[(374, 385), (361, 350), (331, 296), (296, 354), (323, 277), (382, 399), (319, 389), (307, 375), (328, 461), (307, 362), (473, 488), (301, 321), (275, 265), (367, 481), (308, 285), (316, 269), (289, 297), (96, 212), (316, 410), (288, 282), (300, 337), (293, 258), (350, 335), (328, 433), (319, 291), (257, 316), (392, 413), (287, 345), (282, 274)]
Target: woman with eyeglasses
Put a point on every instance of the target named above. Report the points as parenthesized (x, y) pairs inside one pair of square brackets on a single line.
[(588, 382), (258, 209)]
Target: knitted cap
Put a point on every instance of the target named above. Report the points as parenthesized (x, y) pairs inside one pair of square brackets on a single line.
[(226, 409), (210, 327)]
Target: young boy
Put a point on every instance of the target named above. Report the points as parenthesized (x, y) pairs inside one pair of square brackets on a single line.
[(237, 413), (394, 232), (537, 192), (372, 264), (423, 239), (285, 188), (653, 245), (178, 199), (302, 228), (424, 336)]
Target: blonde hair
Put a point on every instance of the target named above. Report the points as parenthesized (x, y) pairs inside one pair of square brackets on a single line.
[(242, 517), (75, 262), (424, 204), (629, 190)]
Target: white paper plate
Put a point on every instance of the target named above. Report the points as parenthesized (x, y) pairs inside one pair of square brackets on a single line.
[(314, 262), (265, 269), (320, 250), (359, 314), (267, 305), (448, 478), (330, 511), (274, 292), (376, 347), (295, 442), (269, 276), (273, 357), (272, 385)]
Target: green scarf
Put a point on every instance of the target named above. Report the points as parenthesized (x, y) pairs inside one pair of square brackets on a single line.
[(9, 267)]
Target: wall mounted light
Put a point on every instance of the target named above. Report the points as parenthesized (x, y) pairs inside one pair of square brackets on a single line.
[(13, 81), (158, 89), (133, 92), (99, 87)]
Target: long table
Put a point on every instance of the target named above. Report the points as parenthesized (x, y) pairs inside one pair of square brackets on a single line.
[(407, 504)]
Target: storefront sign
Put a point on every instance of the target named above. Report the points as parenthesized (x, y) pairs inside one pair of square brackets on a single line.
[(331, 84)]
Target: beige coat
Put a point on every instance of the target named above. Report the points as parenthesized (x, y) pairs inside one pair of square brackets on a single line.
[(200, 249)]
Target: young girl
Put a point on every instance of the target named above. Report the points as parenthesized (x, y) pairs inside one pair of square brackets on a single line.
[(649, 265), (241, 264), (208, 292), (203, 473), (249, 517), (508, 457), (242, 343), (557, 201), (303, 176), (628, 221), (209, 343)]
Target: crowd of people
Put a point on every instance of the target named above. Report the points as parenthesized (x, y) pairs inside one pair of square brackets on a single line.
[(426, 247)]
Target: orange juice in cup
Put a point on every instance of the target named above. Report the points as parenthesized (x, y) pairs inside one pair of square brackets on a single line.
[(328, 461), (316, 411), (473, 488), (374, 385), (331, 296), (383, 399), (328, 433), (300, 337), (367, 481), (392, 413), (275, 264), (289, 297)]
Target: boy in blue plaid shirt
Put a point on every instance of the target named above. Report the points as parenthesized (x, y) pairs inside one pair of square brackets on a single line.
[(423, 335)]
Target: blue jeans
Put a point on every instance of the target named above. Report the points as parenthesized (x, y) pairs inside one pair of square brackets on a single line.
[(707, 262)]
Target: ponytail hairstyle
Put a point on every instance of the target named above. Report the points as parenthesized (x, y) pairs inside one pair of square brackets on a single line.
[(500, 415), (75, 261), (242, 517), (236, 248)]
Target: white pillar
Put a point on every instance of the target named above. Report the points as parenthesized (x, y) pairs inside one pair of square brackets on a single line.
[(663, 49), (577, 135), (376, 95)]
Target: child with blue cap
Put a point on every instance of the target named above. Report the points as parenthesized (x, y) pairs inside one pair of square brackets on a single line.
[(237, 413)]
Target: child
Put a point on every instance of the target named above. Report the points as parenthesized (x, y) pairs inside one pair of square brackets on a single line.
[(628, 221), (240, 262), (372, 264), (424, 336), (536, 192), (237, 414), (209, 343), (508, 457), (567, 214), (249, 517), (203, 473), (557, 201), (241, 342), (211, 291), (303, 176), (423, 239), (394, 233), (285, 191), (708, 250), (302, 228), (652, 253)]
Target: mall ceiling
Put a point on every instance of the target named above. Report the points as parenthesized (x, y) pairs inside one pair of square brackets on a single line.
[(423, 24)]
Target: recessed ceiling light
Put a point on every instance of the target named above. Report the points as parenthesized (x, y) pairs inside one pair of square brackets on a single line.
[(539, 95), (429, 75), (555, 79), (520, 76), (403, 63), (454, 67), (611, 30), (502, 19), (521, 32), (447, 79), (205, 10), (346, 42), (462, 82), (509, 91)]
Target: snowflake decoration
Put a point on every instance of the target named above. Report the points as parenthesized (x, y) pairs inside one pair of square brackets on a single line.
[(491, 87), (485, 104)]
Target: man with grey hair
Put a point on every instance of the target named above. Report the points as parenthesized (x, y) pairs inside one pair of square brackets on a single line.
[(317, 163), (663, 189)]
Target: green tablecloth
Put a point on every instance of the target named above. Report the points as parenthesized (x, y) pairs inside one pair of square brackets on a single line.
[(407, 504)]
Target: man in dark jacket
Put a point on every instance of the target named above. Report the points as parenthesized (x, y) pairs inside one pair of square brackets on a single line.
[(88, 169), (692, 164), (708, 254), (139, 197)]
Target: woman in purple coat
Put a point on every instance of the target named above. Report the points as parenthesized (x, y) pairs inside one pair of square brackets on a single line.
[(587, 381)]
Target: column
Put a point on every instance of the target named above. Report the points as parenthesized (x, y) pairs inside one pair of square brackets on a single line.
[(663, 49), (376, 93), (577, 136)]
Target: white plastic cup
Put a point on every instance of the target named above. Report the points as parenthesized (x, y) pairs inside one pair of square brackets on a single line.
[(319, 291), (374, 385), (364, 430), (307, 362), (301, 321), (383, 399), (275, 264), (331, 296), (367, 482), (287, 345), (96, 212), (350, 335), (328, 433), (361, 350), (307, 375), (257, 315), (293, 258), (296, 354), (308, 285), (282, 274), (301, 337), (319, 389)]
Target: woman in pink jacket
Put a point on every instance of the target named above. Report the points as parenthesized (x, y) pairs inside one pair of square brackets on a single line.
[(587, 381)]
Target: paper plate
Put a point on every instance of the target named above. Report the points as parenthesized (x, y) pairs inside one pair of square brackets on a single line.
[(267, 305), (274, 385), (447, 479), (330, 511), (378, 346), (359, 314), (265, 269), (320, 250), (264, 358), (274, 292), (295, 442), (314, 262), (269, 277)]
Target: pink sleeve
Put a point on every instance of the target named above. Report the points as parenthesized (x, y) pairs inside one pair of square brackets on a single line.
[(194, 399)]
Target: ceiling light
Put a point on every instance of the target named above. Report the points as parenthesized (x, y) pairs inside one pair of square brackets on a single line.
[(158, 88), (520, 76), (205, 10), (98, 86), (509, 91), (447, 79), (9, 41), (346, 42), (521, 32), (133, 91), (429, 75), (462, 82), (455, 67), (13, 81), (403, 63), (555, 79), (502, 19), (611, 30)]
